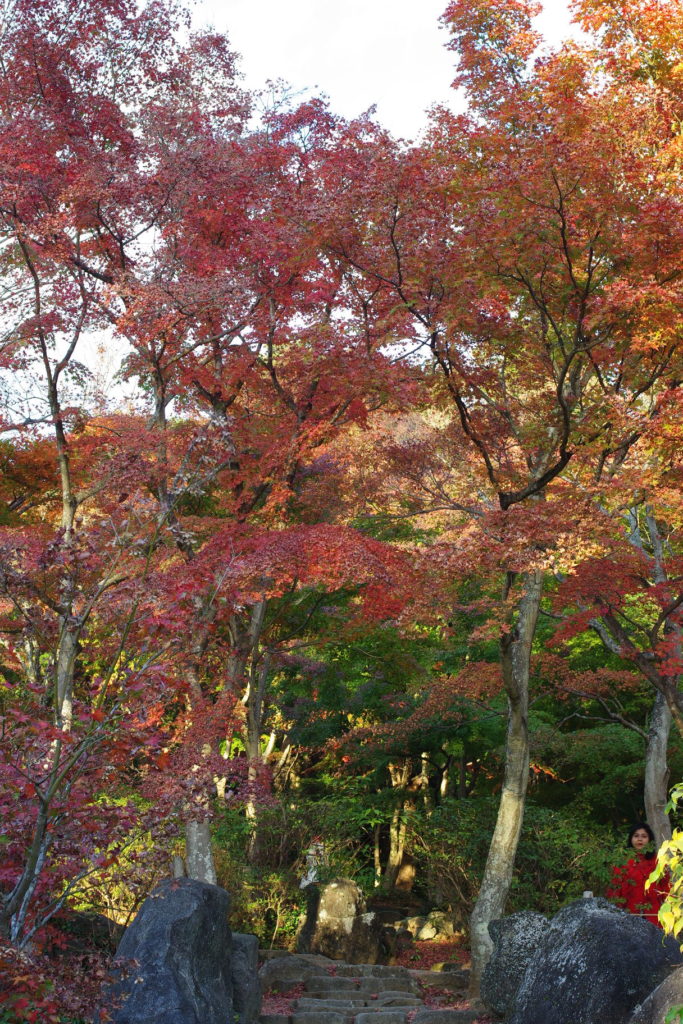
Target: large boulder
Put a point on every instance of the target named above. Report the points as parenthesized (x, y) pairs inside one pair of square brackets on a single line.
[(661, 1002), (173, 962), (337, 925), (593, 965), (246, 984), (515, 940)]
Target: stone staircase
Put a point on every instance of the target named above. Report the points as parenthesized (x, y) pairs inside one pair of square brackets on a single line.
[(372, 994)]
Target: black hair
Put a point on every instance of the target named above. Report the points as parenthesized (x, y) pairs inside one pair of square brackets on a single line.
[(651, 854)]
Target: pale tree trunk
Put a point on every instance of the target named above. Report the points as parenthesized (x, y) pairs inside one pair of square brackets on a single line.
[(424, 782), (661, 718), (657, 770), (255, 709), (462, 778), (254, 701), (199, 862), (400, 777), (616, 637), (656, 739), (198, 852), (495, 884), (376, 855), (446, 780), (284, 773), (666, 707)]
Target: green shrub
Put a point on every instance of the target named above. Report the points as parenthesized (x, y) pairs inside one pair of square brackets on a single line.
[(559, 856)]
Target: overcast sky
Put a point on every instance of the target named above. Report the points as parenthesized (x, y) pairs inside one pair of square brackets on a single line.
[(388, 53)]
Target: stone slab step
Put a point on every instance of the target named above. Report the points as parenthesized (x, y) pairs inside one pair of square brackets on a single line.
[(372, 985), (371, 971), (305, 1003), (452, 981), (322, 1017), (398, 999), (386, 1000), (392, 984), (382, 1017), (327, 983), (273, 1018), (350, 994), (283, 973), (446, 1016)]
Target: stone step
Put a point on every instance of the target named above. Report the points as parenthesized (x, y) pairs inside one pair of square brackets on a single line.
[(322, 1017), (283, 973), (445, 1016), (382, 1017), (329, 983), (452, 981), (398, 999), (371, 971), (306, 1003), (349, 1000), (391, 983), (378, 1016), (350, 994)]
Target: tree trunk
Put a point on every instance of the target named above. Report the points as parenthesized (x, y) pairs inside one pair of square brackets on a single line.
[(657, 770), (515, 659), (377, 858), (400, 777), (462, 778), (198, 853), (254, 730), (424, 782)]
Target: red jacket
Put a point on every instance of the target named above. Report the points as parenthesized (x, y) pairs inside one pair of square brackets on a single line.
[(628, 888)]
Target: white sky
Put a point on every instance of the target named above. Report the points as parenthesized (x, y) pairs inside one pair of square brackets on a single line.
[(388, 53)]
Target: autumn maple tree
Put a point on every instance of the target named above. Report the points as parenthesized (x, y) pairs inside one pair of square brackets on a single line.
[(143, 553), (520, 250)]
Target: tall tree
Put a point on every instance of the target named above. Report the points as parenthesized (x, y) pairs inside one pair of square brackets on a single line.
[(518, 250)]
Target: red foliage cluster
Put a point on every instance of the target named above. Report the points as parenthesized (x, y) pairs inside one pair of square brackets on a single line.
[(41, 989)]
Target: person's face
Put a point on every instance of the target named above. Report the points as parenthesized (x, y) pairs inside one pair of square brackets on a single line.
[(639, 840)]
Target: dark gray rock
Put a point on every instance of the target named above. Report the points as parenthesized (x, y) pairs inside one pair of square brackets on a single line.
[(593, 965), (338, 926), (173, 962), (515, 940), (246, 985), (660, 1002)]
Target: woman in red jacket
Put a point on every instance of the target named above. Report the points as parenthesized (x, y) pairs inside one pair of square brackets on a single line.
[(628, 880)]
